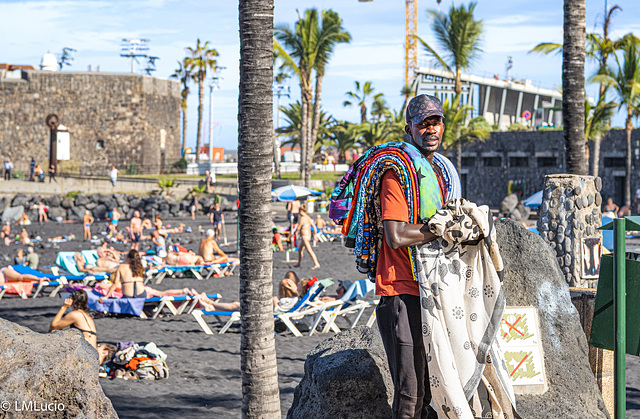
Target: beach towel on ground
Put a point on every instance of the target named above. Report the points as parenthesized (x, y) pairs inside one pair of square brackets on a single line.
[(462, 305), (355, 202)]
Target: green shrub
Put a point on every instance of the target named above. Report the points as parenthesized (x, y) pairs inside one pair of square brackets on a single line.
[(180, 164), (72, 194), (517, 127), (17, 175), (133, 169)]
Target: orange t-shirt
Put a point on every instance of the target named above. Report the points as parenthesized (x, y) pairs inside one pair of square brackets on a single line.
[(393, 273)]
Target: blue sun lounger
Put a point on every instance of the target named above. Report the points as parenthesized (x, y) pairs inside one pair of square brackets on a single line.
[(66, 261), (306, 306), (53, 281), (135, 306)]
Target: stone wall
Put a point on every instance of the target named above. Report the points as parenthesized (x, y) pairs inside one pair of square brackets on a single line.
[(112, 119), (526, 157)]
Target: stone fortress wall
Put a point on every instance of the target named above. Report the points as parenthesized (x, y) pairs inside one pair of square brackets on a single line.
[(113, 118)]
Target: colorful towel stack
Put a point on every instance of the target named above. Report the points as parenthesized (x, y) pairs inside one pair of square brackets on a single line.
[(355, 201)]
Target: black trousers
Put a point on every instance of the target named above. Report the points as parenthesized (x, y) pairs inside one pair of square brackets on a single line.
[(400, 324)]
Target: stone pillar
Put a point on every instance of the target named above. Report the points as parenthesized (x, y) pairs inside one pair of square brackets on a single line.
[(570, 212)]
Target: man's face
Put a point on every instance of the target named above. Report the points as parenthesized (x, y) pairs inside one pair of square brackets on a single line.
[(427, 134)]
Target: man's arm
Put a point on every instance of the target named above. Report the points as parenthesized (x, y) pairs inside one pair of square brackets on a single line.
[(399, 234)]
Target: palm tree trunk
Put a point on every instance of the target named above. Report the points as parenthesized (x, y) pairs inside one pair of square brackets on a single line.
[(315, 118), (260, 394), (627, 178), (573, 52), (315, 124), (304, 127), (305, 131), (595, 160), (276, 156), (363, 111), (184, 131), (200, 105)]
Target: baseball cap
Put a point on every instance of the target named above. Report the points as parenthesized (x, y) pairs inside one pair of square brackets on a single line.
[(423, 106)]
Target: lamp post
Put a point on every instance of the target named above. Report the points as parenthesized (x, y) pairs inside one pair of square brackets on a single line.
[(215, 84)]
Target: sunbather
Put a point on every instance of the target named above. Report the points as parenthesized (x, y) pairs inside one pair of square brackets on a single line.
[(184, 259), (78, 318), (85, 267), (129, 277), (8, 274), (5, 233), (288, 292), (104, 286), (24, 236), (105, 263), (211, 252)]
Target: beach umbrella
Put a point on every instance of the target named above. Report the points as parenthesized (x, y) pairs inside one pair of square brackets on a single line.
[(534, 201), (292, 192)]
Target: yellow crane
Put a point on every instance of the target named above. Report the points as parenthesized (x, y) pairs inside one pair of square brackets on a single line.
[(410, 44)]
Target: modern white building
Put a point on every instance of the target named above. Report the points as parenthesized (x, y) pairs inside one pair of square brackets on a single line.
[(501, 102)]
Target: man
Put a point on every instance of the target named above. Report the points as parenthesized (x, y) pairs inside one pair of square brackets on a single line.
[(32, 258), (160, 243), (8, 166), (52, 173), (217, 219), (114, 215), (32, 169), (136, 230), (209, 249), (293, 211), (398, 314), (113, 174)]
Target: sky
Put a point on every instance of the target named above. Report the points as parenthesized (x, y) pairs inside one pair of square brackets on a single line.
[(95, 29)]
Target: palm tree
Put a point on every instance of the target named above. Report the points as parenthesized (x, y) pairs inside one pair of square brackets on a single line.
[(330, 34), (260, 395), (455, 116), (343, 138), (596, 125), (183, 74), (407, 91), (292, 126), (380, 108), (200, 61), (573, 53), (360, 97), (303, 49), (625, 82), (373, 133), (458, 34)]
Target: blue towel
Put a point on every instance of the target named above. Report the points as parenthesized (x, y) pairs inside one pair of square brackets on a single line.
[(116, 305)]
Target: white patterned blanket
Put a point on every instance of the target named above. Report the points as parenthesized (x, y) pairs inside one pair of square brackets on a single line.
[(462, 304)]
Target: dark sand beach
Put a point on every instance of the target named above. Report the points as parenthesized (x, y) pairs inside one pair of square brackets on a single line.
[(205, 379), (204, 370)]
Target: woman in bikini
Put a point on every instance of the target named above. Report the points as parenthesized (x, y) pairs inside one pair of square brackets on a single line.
[(78, 318), (129, 277), (304, 228), (129, 280)]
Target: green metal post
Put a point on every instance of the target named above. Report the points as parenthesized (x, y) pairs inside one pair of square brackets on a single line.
[(619, 320)]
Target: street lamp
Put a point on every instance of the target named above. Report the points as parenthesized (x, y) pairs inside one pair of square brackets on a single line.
[(279, 90), (214, 84)]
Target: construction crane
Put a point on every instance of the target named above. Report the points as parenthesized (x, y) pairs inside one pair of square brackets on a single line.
[(410, 42)]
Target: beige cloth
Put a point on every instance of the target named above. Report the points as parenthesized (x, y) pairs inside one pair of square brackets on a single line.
[(462, 304)]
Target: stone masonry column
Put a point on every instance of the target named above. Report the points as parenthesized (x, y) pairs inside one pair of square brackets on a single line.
[(570, 212)]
